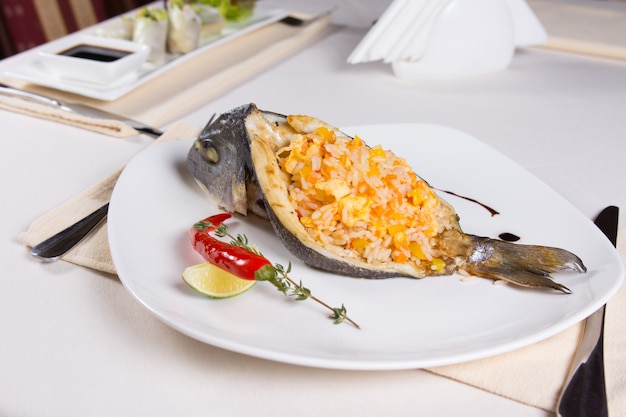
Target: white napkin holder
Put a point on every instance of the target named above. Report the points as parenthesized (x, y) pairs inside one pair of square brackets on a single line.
[(445, 39)]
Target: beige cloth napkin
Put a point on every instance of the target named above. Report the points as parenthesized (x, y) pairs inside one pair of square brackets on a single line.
[(532, 375), (187, 86)]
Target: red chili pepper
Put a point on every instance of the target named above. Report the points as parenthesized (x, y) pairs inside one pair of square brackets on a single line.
[(237, 260)]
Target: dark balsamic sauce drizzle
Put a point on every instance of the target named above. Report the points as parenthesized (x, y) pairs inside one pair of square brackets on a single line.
[(509, 237), (506, 236), (492, 211)]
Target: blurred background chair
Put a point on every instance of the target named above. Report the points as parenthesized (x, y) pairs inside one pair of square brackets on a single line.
[(28, 23)]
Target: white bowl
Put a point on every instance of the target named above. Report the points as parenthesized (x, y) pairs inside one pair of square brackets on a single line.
[(94, 59)]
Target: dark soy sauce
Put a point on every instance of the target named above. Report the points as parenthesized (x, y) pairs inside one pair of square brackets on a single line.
[(95, 53)]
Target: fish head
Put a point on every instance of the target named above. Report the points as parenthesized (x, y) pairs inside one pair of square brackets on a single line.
[(218, 159)]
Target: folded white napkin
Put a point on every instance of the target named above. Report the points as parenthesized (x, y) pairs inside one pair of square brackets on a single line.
[(444, 39), (532, 375), (401, 32)]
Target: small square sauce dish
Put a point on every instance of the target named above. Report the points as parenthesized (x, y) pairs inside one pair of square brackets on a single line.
[(95, 59)]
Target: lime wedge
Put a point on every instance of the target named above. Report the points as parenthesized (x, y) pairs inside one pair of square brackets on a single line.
[(214, 282)]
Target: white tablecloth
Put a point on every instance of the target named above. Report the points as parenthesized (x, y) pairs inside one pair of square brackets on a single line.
[(74, 342)]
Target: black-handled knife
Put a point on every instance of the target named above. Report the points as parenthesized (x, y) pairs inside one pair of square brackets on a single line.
[(584, 394)]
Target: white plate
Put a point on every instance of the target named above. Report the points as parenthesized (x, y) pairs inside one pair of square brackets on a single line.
[(33, 71), (406, 323)]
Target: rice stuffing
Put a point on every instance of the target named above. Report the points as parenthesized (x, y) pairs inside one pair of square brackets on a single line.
[(364, 199)]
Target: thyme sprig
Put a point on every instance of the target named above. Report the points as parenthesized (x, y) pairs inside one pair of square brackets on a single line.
[(282, 281)]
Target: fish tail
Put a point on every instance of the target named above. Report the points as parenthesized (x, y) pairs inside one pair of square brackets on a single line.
[(525, 265)]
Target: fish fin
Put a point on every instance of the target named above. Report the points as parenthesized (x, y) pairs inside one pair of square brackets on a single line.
[(519, 277), (524, 265)]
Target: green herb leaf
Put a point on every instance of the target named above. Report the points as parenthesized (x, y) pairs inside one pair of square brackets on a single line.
[(339, 314)]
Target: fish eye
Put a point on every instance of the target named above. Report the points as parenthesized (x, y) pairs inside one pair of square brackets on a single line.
[(212, 155), (207, 150)]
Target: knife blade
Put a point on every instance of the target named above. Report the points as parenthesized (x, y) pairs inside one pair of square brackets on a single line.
[(585, 388), (78, 108)]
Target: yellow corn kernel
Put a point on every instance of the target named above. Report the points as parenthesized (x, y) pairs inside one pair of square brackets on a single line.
[(396, 215), (326, 134), (437, 264), (416, 250), (356, 141), (395, 229), (377, 152), (417, 196), (305, 171), (306, 221), (359, 244)]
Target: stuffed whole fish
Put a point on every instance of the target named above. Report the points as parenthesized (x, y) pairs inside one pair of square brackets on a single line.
[(339, 205)]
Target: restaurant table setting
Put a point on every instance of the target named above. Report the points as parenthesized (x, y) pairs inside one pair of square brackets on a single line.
[(76, 341)]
